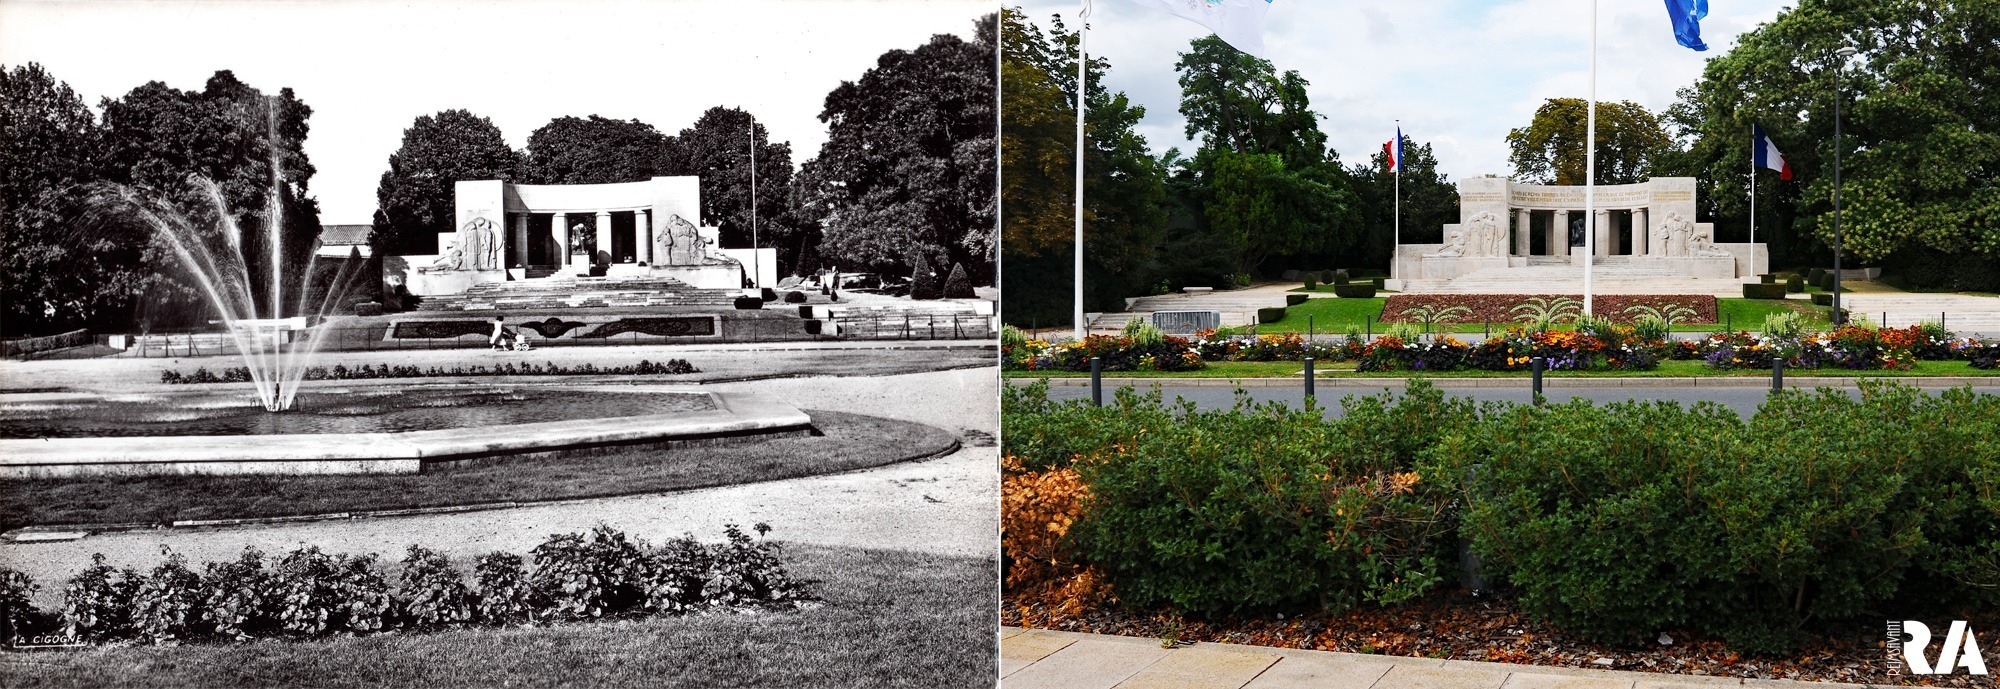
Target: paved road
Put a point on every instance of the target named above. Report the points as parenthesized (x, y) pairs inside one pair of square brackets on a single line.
[(1744, 400)]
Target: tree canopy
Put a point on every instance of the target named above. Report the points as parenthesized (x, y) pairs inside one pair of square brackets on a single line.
[(1921, 133), (595, 150), (1430, 201), (717, 149), (49, 146), (909, 160), (1124, 201), (415, 197), (1550, 150)]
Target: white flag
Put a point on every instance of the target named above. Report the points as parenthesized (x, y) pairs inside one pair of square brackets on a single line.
[(1240, 23)]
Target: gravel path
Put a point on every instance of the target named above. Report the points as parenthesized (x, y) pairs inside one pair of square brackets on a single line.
[(946, 506)]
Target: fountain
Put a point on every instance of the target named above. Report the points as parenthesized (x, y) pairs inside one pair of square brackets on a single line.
[(217, 262)]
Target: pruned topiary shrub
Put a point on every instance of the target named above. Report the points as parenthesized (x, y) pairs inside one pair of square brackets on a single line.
[(1763, 290), (923, 283), (957, 285), (1795, 283), (795, 297), (1271, 315), (1296, 299), (1354, 291), (1312, 281)]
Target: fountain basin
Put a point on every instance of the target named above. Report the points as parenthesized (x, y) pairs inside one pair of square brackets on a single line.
[(404, 452)]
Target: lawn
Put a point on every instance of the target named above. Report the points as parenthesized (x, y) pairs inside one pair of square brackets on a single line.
[(1336, 316), (846, 442), (890, 619), (1667, 369)]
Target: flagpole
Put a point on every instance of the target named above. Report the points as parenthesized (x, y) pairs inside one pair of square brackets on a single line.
[(1082, 61), (1398, 148), (1754, 143), (1590, 166), (756, 256)]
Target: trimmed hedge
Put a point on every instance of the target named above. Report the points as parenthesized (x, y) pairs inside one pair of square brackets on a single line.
[(1767, 278), (1296, 299), (1614, 522), (1763, 290), (749, 303), (1271, 315), (1822, 299), (1354, 291), (1795, 283)]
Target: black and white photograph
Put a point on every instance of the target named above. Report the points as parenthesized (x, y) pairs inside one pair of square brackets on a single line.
[(355, 343)]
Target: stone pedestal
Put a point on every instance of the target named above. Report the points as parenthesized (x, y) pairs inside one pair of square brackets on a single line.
[(703, 277)]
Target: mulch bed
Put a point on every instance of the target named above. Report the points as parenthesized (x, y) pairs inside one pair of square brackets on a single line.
[(1459, 626), (1498, 308)]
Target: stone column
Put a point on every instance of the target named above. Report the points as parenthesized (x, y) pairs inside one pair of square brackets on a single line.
[(1642, 234), (1559, 234), (519, 240), (1603, 231), (642, 235), (559, 231), (604, 237), (1522, 243)]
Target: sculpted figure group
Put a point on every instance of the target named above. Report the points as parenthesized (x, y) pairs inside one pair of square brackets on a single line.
[(1483, 236)]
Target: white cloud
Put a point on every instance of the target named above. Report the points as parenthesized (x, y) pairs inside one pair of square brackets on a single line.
[(1458, 73), (370, 67)]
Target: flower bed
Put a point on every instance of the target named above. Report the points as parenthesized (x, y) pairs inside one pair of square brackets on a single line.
[(1850, 347), (240, 374), (1117, 353), (1499, 308)]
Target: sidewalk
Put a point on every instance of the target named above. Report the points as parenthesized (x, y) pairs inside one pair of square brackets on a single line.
[(1034, 658)]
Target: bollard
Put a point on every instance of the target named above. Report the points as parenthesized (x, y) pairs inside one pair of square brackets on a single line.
[(1371, 329), (1777, 373), (1535, 366), (1309, 377), (1096, 382), (1309, 328)]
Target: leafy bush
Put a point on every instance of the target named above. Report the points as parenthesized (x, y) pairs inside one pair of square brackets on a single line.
[(742, 573), (1271, 314), (1042, 435), (749, 303), (233, 600), (97, 602), (1296, 299), (166, 606), (1312, 281), (1354, 291), (585, 576), (504, 594), (1037, 511), (795, 297), (433, 594), (314, 594), (1258, 508), (17, 608), (1795, 283)]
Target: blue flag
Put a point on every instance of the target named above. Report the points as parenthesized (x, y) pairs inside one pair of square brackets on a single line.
[(1687, 16)]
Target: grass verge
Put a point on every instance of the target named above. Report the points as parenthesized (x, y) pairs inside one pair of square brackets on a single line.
[(891, 619), (1667, 369), (849, 441)]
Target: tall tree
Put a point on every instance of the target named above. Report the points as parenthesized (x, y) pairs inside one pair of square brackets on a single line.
[(1550, 150), (1920, 161), (909, 160), (1429, 201), (1123, 197), (415, 197), (50, 278), (1263, 179), (595, 150), (717, 149), (251, 145)]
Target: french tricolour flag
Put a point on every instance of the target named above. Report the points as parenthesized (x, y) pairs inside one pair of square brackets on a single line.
[(1765, 154), (1393, 148)]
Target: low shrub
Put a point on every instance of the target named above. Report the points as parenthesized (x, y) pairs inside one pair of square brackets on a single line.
[(1296, 299), (749, 303), (311, 594), (1795, 283), (795, 297), (1767, 278), (1822, 299), (1312, 281), (1355, 291), (957, 285), (1340, 277), (1259, 508), (1271, 314), (1763, 290)]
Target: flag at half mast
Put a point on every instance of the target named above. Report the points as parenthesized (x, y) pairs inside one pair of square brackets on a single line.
[(1240, 23)]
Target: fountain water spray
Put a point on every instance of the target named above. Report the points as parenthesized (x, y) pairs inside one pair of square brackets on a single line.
[(216, 260)]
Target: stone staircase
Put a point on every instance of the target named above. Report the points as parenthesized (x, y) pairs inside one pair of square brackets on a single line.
[(579, 292), (1610, 275)]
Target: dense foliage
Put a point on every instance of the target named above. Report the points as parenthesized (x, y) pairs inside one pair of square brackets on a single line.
[(1550, 150), (414, 199), (1615, 522), (307, 593)]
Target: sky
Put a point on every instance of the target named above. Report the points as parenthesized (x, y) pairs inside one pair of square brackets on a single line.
[(368, 68), (1458, 73)]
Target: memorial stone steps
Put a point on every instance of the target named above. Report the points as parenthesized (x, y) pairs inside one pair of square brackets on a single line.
[(1611, 276), (572, 292)]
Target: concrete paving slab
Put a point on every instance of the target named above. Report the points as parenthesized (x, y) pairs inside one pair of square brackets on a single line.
[(1533, 680), (1091, 663), (1203, 666), (1322, 671), (1027, 646), (1439, 677)]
